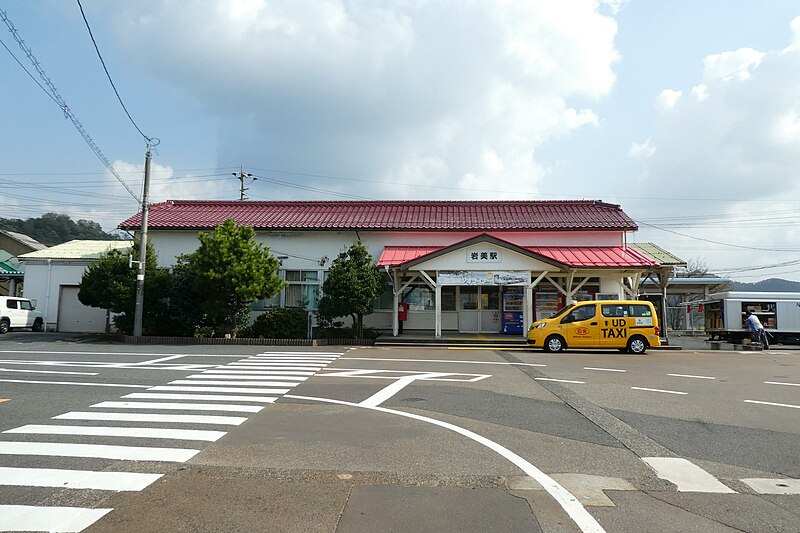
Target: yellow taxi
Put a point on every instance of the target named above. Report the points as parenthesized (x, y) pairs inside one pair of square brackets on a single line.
[(627, 325)]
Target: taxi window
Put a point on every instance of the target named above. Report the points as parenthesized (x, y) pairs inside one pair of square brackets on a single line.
[(623, 310), (584, 312)]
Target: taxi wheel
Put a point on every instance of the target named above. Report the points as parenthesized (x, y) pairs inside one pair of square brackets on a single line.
[(554, 344), (637, 345)]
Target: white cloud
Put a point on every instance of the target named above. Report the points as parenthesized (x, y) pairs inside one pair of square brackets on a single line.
[(642, 150), (410, 92), (667, 99), (733, 149), (795, 44), (700, 92), (728, 65)]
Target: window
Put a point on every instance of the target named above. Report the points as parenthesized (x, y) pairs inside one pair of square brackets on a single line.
[(584, 312), (623, 310), (449, 298), (26, 305), (11, 304), (386, 299), (266, 303), (420, 298), (303, 288)]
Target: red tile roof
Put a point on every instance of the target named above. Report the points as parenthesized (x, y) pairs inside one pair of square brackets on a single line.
[(420, 215), (570, 256)]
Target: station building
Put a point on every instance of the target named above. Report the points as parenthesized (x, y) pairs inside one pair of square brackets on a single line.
[(451, 266)]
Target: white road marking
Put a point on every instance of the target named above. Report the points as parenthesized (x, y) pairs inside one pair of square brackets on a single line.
[(259, 372), (145, 417), (296, 379), (272, 367), (60, 519), (559, 380), (168, 388), (161, 360), (604, 369), (103, 431), (123, 453), (392, 389), (206, 397), (438, 361), (237, 383), (773, 486), (180, 406), (659, 390), (116, 385), (687, 476), (75, 479), (781, 383), (49, 372), (690, 376), (774, 404), (388, 374), (322, 360), (585, 521)]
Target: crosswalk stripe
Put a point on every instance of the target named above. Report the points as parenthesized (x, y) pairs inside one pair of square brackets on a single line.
[(180, 406), (295, 379), (145, 417), (260, 364), (251, 383), (285, 360), (61, 519), (143, 433), (75, 479), (104, 451), (204, 397), (259, 372), (321, 354), (687, 476), (218, 389), (273, 367)]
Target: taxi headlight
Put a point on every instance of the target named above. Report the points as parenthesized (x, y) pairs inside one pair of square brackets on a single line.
[(536, 326)]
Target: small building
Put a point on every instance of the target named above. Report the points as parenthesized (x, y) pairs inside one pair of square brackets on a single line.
[(12, 245), (459, 266), (52, 280)]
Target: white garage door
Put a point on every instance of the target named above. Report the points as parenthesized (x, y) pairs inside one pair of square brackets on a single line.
[(75, 317)]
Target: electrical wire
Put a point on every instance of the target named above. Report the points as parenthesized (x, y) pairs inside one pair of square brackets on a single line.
[(56, 97), (108, 75)]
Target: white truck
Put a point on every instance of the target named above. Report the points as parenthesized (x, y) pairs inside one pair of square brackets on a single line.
[(19, 313), (779, 313)]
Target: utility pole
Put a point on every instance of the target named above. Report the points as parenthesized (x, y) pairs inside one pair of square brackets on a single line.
[(241, 175), (137, 319)]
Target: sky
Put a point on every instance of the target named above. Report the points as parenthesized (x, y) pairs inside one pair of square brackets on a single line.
[(686, 113)]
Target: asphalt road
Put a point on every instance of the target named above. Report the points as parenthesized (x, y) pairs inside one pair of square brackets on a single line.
[(109, 437)]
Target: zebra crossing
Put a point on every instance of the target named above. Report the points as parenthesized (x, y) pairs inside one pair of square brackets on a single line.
[(233, 392)]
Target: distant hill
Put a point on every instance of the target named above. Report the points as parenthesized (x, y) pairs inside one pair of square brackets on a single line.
[(768, 285), (54, 228)]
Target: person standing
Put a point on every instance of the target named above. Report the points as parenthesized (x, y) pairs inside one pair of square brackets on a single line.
[(757, 329)]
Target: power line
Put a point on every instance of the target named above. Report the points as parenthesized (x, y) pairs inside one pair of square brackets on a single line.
[(108, 75), (718, 242), (56, 97)]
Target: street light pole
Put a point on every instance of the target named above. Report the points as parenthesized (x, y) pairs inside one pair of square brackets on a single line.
[(137, 320)]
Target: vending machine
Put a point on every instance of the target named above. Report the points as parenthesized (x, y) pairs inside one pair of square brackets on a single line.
[(512, 311)]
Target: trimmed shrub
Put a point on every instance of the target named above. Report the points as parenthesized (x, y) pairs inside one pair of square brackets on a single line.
[(279, 323)]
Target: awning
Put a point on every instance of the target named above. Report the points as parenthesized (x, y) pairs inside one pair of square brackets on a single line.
[(7, 271), (570, 256)]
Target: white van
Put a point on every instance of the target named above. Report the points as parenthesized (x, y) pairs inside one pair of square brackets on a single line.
[(19, 313)]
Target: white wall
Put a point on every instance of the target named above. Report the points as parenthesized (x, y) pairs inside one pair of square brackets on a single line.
[(305, 248), (42, 283)]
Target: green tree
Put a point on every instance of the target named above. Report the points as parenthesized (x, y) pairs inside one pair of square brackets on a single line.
[(54, 228), (351, 287), (111, 284), (227, 273)]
